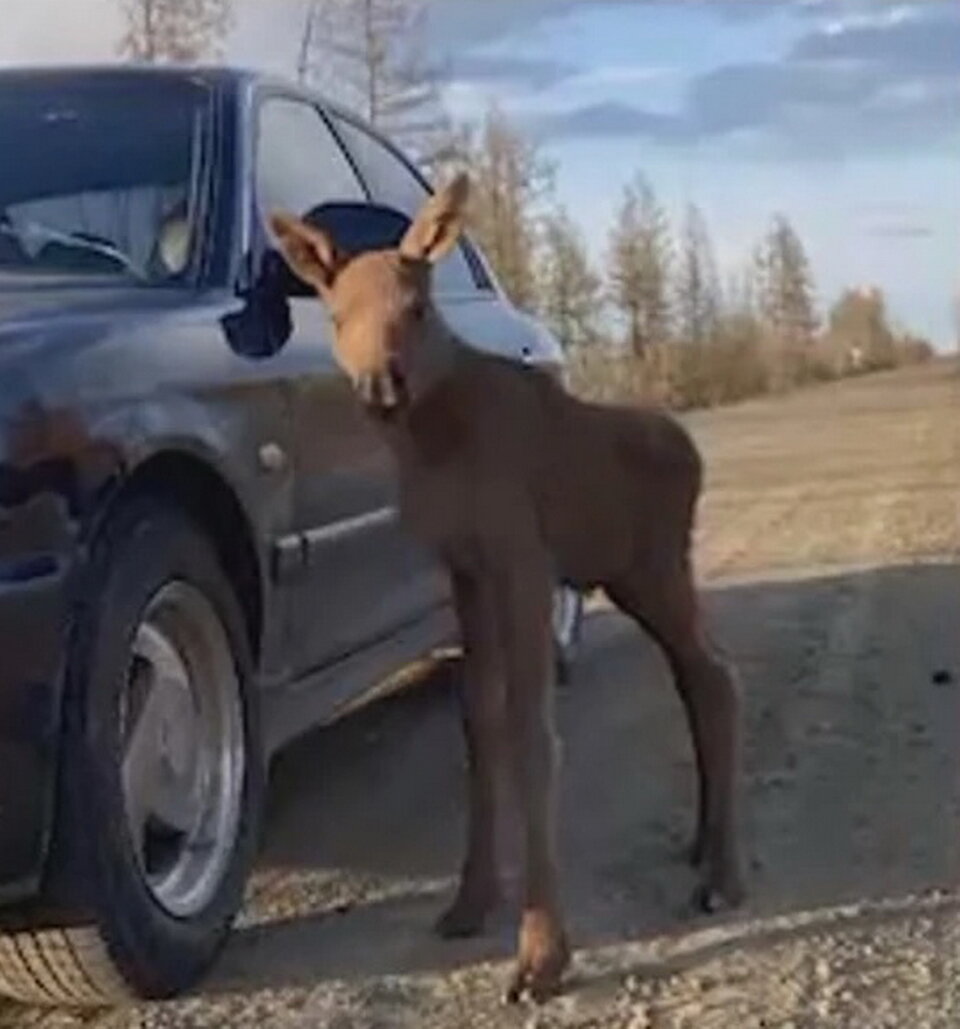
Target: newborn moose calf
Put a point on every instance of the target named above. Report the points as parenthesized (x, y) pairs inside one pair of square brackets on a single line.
[(515, 483)]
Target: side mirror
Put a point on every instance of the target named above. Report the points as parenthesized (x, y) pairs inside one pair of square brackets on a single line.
[(264, 324)]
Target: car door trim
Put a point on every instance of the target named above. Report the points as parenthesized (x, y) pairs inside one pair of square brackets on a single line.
[(335, 532), (294, 553)]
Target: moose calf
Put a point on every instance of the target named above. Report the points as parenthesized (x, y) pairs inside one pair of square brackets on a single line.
[(516, 484)]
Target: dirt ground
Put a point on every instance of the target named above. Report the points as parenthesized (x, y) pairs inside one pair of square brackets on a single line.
[(829, 548)]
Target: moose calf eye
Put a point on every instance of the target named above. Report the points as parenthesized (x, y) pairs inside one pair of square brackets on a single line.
[(419, 312)]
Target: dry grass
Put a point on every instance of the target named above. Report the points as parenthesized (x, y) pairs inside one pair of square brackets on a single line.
[(801, 480), (736, 367)]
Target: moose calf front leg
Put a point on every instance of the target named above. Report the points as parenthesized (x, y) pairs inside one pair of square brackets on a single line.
[(482, 699), (543, 952)]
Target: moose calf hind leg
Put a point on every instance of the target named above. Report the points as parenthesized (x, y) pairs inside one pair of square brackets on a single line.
[(666, 606), (713, 696)]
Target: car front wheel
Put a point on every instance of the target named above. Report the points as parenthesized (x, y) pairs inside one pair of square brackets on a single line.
[(162, 776)]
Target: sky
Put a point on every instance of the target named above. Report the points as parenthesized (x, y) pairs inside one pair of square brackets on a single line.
[(842, 114)]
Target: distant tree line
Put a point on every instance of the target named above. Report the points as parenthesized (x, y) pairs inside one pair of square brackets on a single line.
[(654, 321)]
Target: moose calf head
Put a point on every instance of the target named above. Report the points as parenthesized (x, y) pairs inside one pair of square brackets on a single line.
[(386, 334)]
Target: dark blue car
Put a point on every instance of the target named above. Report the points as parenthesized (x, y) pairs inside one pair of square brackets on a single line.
[(199, 550)]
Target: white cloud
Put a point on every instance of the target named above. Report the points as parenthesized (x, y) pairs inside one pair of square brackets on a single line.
[(621, 75), (469, 99), (916, 93), (887, 18)]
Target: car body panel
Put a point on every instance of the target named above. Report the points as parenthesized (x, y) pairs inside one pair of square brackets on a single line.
[(84, 402), (362, 576)]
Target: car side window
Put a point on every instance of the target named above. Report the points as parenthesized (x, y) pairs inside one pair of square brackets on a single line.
[(299, 163), (393, 184)]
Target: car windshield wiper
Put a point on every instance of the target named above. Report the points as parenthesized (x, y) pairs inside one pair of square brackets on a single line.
[(67, 239)]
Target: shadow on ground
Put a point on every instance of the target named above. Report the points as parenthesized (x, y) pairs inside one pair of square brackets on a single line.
[(852, 687)]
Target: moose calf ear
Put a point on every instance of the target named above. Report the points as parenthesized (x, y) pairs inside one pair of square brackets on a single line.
[(437, 227), (310, 252)]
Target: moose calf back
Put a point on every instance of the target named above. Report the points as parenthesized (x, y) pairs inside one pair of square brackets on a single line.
[(499, 452), (619, 490)]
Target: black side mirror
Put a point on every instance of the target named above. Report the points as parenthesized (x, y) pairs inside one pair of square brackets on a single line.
[(264, 323)]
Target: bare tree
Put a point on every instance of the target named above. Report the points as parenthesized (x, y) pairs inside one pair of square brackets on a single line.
[(786, 303), (639, 266), (569, 291), (786, 285), (510, 180), (173, 30), (697, 287), (370, 55), (739, 292)]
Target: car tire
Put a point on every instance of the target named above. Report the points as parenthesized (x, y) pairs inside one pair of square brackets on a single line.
[(567, 623), (162, 773)]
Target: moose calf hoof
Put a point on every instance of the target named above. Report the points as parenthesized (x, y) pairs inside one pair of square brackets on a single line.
[(543, 957), (711, 899), (465, 917)]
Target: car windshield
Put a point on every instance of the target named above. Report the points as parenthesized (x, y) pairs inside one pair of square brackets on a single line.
[(100, 177)]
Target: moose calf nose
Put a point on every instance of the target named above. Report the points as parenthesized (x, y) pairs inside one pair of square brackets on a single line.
[(389, 392), (366, 387), (382, 389)]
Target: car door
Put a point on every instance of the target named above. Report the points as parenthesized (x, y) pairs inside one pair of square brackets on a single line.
[(355, 576)]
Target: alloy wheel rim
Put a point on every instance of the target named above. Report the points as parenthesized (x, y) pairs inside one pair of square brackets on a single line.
[(183, 749)]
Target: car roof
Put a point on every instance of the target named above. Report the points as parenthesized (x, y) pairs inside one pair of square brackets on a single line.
[(119, 70), (232, 78)]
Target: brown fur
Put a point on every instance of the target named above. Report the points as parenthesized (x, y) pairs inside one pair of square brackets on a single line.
[(515, 483)]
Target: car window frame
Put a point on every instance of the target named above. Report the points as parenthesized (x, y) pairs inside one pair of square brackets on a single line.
[(263, 97), (482, 282)]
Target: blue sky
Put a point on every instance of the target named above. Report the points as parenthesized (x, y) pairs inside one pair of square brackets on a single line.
[(843, 114)]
